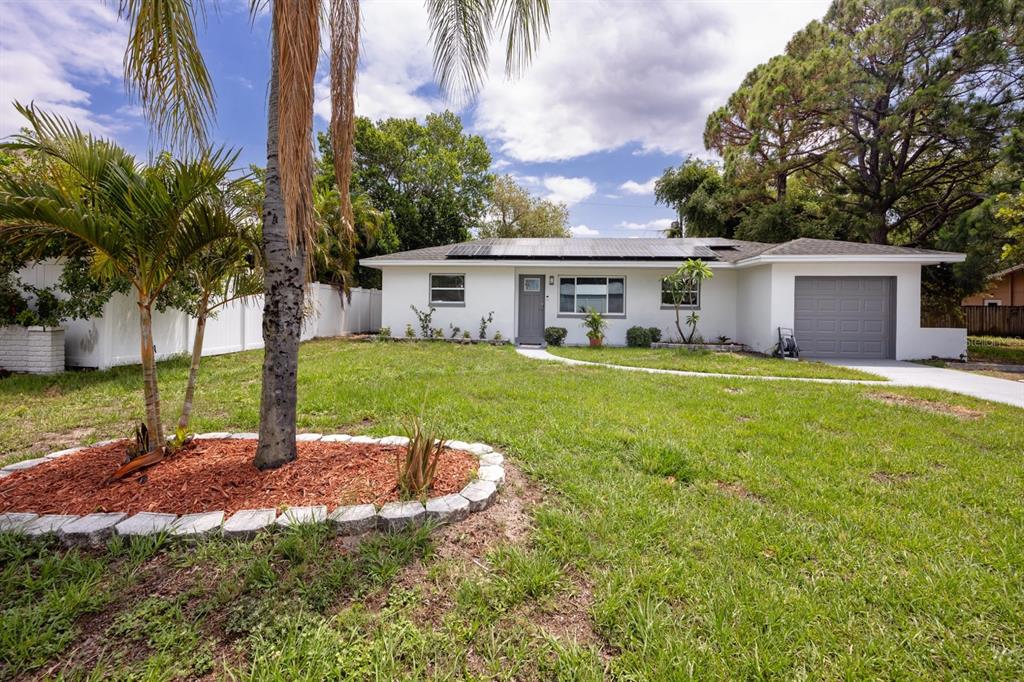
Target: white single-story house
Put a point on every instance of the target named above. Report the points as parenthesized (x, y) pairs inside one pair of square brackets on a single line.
[(843, 299)]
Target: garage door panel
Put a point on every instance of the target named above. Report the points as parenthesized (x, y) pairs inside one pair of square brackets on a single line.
[(847, 317)]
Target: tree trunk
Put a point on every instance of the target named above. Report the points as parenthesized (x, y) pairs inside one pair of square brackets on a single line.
[(193, 370), (781, 181), (282, 310), (679, 327), (149, 384)]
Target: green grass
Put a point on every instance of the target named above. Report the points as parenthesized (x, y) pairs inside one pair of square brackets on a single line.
[(696, 527), (710, 361), (1007, 350)]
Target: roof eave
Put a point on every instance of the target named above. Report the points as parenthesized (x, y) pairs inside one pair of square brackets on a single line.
[(533, 262), (922, 258)]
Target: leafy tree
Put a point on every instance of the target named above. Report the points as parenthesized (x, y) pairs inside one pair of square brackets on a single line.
[(431, 178), (699, 194), (166, 68), (140, 223), (920, 97), (770, 128), (512, 212)]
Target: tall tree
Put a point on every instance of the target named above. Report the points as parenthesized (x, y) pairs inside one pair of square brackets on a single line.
[(513, 212), (166, 67), (432, 178), (140, 223), (769, 128), (698, 193), (924, 97)]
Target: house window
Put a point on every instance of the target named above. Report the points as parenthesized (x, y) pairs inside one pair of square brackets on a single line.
[(993, 302), (531, 284), (447, 289), (689, 298), (606, 295)]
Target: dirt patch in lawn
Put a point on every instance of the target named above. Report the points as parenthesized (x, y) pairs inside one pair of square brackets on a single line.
[(927, 405), (887, 477), (740, 491), (218, 474)]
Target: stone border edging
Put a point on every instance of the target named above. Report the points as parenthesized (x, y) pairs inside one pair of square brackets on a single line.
[(93, 530)]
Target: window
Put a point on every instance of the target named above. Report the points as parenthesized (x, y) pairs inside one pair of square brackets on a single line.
[(690, 297), (448, 289), (531, 284), (993, 302), (606, 295)]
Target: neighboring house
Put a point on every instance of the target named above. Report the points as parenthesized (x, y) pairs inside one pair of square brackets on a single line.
[(845, 300), (1005, 288)]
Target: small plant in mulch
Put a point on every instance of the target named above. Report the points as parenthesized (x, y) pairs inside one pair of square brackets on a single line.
[(141, 453), (417, 466)]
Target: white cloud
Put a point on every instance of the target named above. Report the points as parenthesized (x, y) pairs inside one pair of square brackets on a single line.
[(395, 73), (568, 191), (619, 73), (49, 51), (583, 231), (611, 74), (639, 188), (660, 224)]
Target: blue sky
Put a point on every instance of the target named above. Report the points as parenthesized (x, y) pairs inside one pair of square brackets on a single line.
[(618, 93)]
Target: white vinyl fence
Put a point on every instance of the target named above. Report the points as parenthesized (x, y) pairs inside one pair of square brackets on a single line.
[(113, 338)]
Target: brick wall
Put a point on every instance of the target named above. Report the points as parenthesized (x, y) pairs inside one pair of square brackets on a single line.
[(36, 350)]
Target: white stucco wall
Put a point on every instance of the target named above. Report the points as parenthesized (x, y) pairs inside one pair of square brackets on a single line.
[(746, 304), (643, 304), (912, 341), (754, 308), (487, 289), (494, 288)]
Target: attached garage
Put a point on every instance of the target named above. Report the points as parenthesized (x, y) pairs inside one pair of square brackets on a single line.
[(846, 317)]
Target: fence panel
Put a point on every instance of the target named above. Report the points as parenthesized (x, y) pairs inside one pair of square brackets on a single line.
[(994, 320)]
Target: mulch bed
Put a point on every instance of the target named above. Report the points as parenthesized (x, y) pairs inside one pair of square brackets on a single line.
[(218, 474)]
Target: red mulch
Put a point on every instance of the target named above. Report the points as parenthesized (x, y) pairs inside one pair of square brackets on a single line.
[(210, 475)]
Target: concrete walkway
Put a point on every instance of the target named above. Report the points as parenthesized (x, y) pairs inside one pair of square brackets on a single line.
[(897, 373), (967, 383)]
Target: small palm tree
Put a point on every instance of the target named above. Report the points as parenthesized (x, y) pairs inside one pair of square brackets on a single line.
[(142, 223), (228, 270), (165, 68)]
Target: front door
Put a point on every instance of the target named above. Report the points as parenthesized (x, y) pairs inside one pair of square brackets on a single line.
[(531, 309)]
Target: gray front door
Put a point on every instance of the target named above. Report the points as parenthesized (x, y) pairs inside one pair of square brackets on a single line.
[(531, 309), (846, 317)]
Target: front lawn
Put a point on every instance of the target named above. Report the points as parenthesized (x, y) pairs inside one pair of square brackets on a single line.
[(1002, 349), (656, 528), (709, 361)]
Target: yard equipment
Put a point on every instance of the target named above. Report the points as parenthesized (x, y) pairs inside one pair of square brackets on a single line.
[(787, 347)]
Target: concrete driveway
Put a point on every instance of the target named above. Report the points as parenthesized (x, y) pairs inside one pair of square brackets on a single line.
[(967, 383)]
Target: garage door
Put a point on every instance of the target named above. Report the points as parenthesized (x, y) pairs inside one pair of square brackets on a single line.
[(846, 317)]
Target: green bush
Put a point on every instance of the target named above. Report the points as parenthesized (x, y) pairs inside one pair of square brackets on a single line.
[(655, 334), (638, 337), (554, 336)]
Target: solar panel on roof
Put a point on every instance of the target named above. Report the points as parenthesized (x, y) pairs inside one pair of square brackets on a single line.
[(581, 249)]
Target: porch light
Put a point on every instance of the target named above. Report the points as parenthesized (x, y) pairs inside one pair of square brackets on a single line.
[(551, 280)]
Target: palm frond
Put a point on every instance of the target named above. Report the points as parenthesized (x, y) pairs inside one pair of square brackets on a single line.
[(524, 23), (460, 31), (344, 50), (296, 27), (165, 70)]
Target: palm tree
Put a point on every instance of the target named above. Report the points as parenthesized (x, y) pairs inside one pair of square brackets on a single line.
[(165, 67), (137, 222), (228, 270)]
